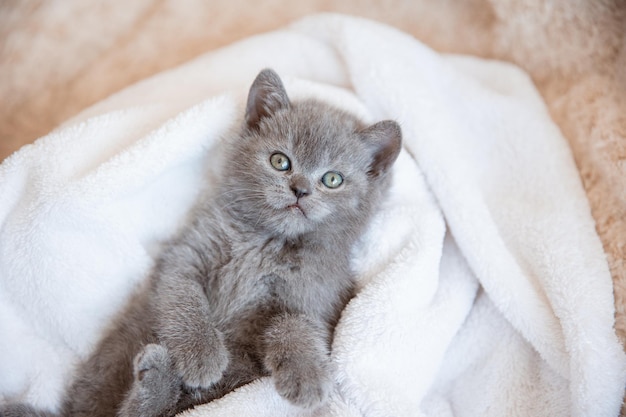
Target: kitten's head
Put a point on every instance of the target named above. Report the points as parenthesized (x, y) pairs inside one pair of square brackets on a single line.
[(305, 166)]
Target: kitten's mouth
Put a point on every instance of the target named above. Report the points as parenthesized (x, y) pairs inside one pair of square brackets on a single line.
[(296, 208)]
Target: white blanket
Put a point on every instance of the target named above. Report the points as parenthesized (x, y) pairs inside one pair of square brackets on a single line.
[(484, 290)]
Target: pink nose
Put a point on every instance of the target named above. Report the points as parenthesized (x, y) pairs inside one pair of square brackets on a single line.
[(300, 187)]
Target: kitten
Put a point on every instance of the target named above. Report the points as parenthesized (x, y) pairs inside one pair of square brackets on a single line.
[(255, 283)]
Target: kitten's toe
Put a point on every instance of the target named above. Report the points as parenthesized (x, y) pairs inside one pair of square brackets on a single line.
[(154, 372), (157, 387), (307, 386), (152, 357)]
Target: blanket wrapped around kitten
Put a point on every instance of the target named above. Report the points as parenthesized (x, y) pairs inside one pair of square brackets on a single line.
[(255, 282)]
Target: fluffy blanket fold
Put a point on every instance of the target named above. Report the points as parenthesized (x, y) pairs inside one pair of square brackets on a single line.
[(483, 286)]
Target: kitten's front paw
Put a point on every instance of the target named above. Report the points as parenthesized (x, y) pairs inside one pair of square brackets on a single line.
[(305, 385), (201, 360)]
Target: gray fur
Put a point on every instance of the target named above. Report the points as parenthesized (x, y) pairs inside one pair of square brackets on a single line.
[(256, 281)]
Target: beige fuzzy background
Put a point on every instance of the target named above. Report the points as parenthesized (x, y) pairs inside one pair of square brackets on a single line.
[(59, 56)]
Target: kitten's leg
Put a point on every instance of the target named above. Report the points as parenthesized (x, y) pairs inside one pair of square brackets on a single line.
[(156, 388), (296, 353), (185, 328)]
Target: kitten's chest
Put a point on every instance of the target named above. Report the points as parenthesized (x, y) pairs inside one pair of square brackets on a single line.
[(270, 265), (255, 270), (282, 258), (263, 272)]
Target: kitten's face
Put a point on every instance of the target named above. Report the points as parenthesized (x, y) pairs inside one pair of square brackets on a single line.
[(303, 169), (306, 166)]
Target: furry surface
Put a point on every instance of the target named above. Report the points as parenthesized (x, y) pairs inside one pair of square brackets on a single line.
[(500, 315)]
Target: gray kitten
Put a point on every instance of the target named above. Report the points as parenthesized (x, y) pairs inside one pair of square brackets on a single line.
[(255, 283)]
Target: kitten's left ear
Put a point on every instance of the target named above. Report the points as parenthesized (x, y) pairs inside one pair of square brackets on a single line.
[(267, 95), (385, 139)]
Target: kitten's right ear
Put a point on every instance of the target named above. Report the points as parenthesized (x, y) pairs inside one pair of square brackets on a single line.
[(385, 141), (267, 95)]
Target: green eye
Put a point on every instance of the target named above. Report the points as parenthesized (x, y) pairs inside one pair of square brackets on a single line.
[(332, 179), (280, 161)]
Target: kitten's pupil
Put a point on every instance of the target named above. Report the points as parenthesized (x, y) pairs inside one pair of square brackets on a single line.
[(280, 161), (332, 179)]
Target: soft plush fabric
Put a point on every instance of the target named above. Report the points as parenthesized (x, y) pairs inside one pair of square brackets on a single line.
[(56, 58), (484, 289)]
